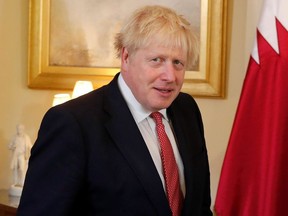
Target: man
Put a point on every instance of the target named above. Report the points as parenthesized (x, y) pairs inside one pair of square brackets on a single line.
[(100, 154)]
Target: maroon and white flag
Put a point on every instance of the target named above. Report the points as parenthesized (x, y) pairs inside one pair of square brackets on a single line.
[(254, 176)]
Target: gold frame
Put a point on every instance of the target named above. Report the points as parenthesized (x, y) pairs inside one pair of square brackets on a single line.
[(209, 81)]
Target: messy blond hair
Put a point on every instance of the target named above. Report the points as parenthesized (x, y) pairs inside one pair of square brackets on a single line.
[(163, 23)]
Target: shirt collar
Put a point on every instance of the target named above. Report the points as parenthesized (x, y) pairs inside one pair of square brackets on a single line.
[(138, 111)]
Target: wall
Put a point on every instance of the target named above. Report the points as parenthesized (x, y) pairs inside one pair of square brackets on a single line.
[(18, 103), (218, 115), (22, 105)]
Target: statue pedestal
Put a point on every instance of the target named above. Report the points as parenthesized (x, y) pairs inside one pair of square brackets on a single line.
[(8, 204), (15, 190)]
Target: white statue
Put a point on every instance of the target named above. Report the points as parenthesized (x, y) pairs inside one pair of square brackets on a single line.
[(20, 146)]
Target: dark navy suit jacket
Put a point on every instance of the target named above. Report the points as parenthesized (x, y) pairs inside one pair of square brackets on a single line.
[(90, 159)]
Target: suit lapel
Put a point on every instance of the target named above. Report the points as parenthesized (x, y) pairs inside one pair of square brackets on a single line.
[(130, 143), (182, 142), (188, 142)]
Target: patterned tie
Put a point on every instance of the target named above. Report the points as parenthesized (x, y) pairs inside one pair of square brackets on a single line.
[(170, 168)]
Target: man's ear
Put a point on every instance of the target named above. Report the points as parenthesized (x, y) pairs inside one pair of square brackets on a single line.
[(124, 58)]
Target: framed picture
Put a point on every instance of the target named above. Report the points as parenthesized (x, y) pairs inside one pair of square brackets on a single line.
[(72, 40)]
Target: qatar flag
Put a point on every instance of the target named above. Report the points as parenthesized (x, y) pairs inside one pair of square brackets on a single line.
[(254, 176)]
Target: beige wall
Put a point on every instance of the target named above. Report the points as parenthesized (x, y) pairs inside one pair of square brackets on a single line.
[(22, 105)]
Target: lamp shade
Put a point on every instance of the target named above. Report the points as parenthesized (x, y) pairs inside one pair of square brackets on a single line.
[(60, 98), (81, 88)]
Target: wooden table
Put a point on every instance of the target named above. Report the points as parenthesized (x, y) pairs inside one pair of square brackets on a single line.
[(8, 204)]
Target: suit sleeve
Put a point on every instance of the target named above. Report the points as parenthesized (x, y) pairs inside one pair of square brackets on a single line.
[(206, 208), (205, 204), (56, 167), (189, 128)]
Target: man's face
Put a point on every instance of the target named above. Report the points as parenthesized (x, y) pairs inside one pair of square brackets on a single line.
[(155, 74)]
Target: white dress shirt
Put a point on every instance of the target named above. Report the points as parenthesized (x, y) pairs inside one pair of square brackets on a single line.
[(147, 128)]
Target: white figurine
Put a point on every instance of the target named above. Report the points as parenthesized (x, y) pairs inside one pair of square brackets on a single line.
[(20, 146)]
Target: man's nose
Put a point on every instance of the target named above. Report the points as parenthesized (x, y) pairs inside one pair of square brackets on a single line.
[(169, 72)]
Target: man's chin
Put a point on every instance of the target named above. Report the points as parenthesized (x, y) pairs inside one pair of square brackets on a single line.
[(159, 106)]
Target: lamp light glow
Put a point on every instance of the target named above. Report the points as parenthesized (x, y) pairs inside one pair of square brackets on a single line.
[(81, 88), (60, 98)]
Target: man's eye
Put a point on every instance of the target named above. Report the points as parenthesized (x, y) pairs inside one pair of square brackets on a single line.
[(156, 59), (177, 62), (179, 65)]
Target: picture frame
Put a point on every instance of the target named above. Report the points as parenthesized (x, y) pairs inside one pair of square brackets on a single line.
[(208, 80)]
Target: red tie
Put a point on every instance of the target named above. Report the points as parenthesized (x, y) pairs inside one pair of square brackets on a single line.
[(170, 167)]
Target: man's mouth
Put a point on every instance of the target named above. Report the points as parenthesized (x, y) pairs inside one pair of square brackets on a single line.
[(164, 90)]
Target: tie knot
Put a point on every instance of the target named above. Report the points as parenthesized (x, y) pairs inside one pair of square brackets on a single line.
[(157, 116)]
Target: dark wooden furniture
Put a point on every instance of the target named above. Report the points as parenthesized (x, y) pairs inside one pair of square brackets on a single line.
[(8, 204)]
